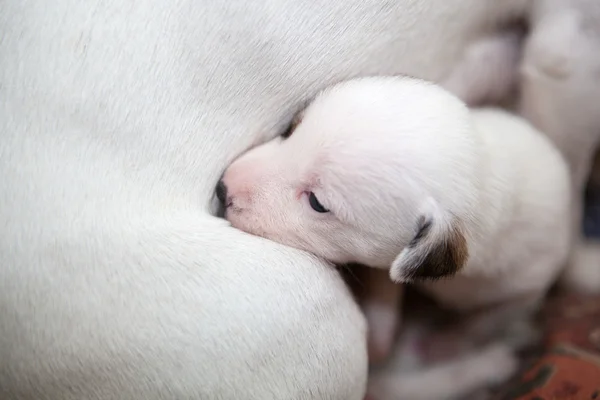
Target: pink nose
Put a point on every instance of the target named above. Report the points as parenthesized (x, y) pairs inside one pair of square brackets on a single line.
[(237, 184)]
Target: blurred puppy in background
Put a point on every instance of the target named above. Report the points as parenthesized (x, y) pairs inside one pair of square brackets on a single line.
[(559, 92)]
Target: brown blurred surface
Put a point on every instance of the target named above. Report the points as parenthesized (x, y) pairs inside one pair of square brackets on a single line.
[(569, 366)]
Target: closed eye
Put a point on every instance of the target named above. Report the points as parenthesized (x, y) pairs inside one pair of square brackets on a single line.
[(315, 204)]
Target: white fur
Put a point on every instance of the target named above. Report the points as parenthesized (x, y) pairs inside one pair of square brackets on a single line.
[(560, 89), (116, 120), (378, 153), (488, 69), (521, 238), (383, 153)]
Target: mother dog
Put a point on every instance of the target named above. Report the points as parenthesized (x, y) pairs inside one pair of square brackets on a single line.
[(116, 120)]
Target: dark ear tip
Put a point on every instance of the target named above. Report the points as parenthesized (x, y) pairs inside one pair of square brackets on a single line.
[(432, 254)]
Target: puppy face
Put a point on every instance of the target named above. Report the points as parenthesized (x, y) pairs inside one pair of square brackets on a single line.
[(357, 174)]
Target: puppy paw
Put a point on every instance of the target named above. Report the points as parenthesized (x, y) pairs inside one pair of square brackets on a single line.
[(549, 52), (488, 72), (497, 363), (583, 271)]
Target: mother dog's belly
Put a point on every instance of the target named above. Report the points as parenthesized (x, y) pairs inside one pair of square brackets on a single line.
[(177, 306)]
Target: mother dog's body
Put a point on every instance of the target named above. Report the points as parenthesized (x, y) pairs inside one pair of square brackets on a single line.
[(117, 118)]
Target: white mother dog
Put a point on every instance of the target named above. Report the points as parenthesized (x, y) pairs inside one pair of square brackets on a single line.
[(116, 120)]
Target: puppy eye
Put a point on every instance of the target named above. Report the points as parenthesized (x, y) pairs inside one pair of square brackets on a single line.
[(315, 205)]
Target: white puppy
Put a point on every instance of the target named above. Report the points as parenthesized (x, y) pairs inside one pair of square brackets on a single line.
[(486, 72), (559, 95), (397, 173)]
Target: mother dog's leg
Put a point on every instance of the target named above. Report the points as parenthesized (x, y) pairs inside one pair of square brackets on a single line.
[(560, 91), (164, 308)]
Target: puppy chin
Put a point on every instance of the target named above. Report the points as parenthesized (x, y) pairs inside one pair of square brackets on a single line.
[(247, 225), (242, 223), (287, 238)]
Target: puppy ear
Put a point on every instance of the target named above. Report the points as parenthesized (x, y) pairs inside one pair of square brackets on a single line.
[(438, 249), (293, 124)]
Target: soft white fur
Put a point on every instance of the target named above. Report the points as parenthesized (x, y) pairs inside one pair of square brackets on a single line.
[(116, 120), (385, 155), (560, 88), (520, 238), (486, 72), (379, 153), (388, 156)]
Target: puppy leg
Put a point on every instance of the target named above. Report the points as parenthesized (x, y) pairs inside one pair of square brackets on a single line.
[(381, 305), (488, 70), (454, 379), (559, 92), (510, 324)]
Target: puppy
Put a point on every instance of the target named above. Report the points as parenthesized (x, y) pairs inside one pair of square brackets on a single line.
[(434, 357), (487, 72), (397, 173), (559, 94)]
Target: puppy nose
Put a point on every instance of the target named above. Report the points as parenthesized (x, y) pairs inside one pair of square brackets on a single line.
[(221, 192)]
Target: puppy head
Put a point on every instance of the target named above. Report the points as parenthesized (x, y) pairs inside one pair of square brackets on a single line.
[(375, 171)]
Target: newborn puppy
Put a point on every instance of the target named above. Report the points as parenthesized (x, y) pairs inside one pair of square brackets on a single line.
[(399, 174), (487, 72)]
